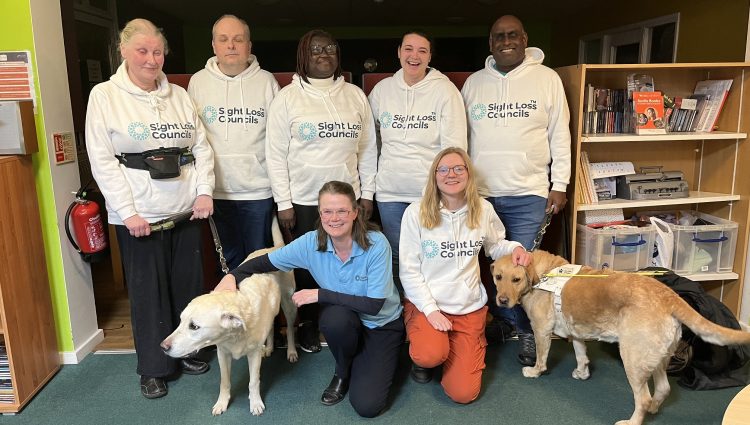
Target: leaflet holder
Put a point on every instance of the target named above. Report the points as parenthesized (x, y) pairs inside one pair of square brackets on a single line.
[(17, 128)]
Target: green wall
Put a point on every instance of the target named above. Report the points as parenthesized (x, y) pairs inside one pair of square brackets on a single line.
[(16, 34), (709, 31)]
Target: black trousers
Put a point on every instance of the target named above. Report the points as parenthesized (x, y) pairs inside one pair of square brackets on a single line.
[(368, 357), (306, 219), (164, 272)]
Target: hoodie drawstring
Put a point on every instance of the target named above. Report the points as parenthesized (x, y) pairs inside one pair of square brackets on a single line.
[(157, 105)]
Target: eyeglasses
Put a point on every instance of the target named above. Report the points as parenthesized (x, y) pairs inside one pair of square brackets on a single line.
[(510, 36), (327, 214), (330, 49), (457, 170)]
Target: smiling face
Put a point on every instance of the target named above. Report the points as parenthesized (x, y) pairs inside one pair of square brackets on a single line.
[(322, 65), (415, 54), (337, 215), (145, 58), (508, 43), (452, 184), (231, 43)]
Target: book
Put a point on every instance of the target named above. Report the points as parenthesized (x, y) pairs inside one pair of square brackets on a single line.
[(649, 113), (716, 92)]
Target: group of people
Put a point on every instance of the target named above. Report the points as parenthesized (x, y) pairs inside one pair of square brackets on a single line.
[(318, 153)]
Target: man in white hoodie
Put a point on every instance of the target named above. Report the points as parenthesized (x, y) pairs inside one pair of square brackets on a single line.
[(519, 140), (232, 95)]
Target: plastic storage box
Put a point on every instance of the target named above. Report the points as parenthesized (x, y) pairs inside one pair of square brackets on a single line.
[(626, 249), (704, 248)]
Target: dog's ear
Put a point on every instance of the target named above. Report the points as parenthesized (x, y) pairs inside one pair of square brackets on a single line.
[(531, 275), (231, 321)]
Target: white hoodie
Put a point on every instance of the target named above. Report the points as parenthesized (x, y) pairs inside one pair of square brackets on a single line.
[(234, 112), (316, 135), (122, 118), (415, 123), (439, 268), (519, 123)]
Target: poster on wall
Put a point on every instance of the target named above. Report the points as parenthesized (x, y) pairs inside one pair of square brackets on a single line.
[(64, 147), (16, 77)]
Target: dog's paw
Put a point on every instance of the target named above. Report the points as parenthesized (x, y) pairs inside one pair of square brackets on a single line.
[(267, 350), (581, 374), (257, 407), (219, 408), (292, 356), (625, 422), (531, 372)]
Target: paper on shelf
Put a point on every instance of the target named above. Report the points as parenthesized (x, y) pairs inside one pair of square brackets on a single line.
[(611, 169)]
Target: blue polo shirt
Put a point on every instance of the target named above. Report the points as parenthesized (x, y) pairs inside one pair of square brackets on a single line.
[(365, 273)]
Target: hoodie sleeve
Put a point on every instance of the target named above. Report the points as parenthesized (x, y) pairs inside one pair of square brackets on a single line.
[(104, 166), (495, 244), (204, 158), (278, 138), (367, 153), (453, 130), (374, 100), (559, 136), (410, 263)]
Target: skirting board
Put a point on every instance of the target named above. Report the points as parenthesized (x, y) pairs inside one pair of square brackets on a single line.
[(75, 357)]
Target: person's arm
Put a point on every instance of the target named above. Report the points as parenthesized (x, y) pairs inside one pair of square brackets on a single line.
[(367, 152), (559, 138), (278, 140), (204, 165), (495, 244), (360, 304), (232, 280), (410, 264), (453, 131)]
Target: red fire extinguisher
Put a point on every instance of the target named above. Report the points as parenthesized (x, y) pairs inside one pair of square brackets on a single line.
[(87, 226)]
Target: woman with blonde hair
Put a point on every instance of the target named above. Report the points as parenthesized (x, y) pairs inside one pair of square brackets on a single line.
[(445, 306)]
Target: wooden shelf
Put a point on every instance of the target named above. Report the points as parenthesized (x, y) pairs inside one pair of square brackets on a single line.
[(707, 277), (629, 137), (695, 197)]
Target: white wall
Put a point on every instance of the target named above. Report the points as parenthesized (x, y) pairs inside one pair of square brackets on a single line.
[(55, 103)]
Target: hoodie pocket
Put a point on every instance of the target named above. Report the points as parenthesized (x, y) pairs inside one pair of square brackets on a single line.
[(504, 169), (402, 178), (240, 173), (454, 295), (162, 197), (307, 180)]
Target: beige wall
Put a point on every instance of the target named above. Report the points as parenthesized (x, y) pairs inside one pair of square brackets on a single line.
[(710, 30)]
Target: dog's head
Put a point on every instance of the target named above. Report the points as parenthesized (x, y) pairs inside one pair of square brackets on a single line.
[(208, 319), (513, 282)]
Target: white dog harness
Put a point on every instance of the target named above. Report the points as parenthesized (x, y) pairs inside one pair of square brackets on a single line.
[(555, 284)]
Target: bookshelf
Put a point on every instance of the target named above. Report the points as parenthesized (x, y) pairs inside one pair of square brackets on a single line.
[(714, 164), (27, 329)]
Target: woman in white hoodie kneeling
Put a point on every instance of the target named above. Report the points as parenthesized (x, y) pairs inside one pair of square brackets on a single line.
[(445, 306)]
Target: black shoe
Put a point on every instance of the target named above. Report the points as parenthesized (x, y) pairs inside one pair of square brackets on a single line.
[(193, 366), (420, 374), (498, 330), (527, 351), (335, 391), (309, 338), (153, 387)]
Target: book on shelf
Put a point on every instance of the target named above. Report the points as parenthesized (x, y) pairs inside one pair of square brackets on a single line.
[(649, 113), (715, 92), (589, 193)]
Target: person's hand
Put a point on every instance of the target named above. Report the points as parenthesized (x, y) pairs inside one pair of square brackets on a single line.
[(439, 322), (227, 283), (202, 207), (137, 226), (305, 296), (286, 219), (366, 205), (520, 256), (556, 199)]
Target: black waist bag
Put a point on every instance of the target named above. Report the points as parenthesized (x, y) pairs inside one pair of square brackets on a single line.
[(162, 163)]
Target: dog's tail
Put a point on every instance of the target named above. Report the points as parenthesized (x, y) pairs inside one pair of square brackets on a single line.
[(278, 238), (707, 330)]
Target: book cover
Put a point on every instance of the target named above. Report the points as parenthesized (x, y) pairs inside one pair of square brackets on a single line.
[(649, 113)]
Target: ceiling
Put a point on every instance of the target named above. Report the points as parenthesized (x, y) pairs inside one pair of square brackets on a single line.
[(331, 13)]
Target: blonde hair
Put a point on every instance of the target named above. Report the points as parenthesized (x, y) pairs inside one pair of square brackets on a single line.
[(429, 211), (141, 26)]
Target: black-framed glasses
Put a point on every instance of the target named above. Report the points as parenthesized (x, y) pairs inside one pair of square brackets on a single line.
[(443, 170), (327, 214), (330, 49)]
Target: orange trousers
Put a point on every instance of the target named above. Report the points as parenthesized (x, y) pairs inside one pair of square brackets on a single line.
[(461, 350)]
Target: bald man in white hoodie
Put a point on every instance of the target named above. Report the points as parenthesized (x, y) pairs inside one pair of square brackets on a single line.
[(232, 95), (519, 140)]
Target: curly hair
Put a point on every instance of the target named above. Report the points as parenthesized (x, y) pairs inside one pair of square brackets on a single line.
[(304, 53)]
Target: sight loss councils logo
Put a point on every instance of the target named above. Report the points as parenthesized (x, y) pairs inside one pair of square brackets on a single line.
[(385, 119), (306, 131), (478, 111), (209, 114), (430, 248), (138, 130)]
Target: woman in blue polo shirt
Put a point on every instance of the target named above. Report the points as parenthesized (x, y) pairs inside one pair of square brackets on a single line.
[(360, 309)]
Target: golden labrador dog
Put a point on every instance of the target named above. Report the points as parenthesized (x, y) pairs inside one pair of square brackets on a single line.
[(637, 311), (239, 324)]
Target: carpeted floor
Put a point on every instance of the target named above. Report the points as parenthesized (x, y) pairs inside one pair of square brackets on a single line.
[(104, 389)]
